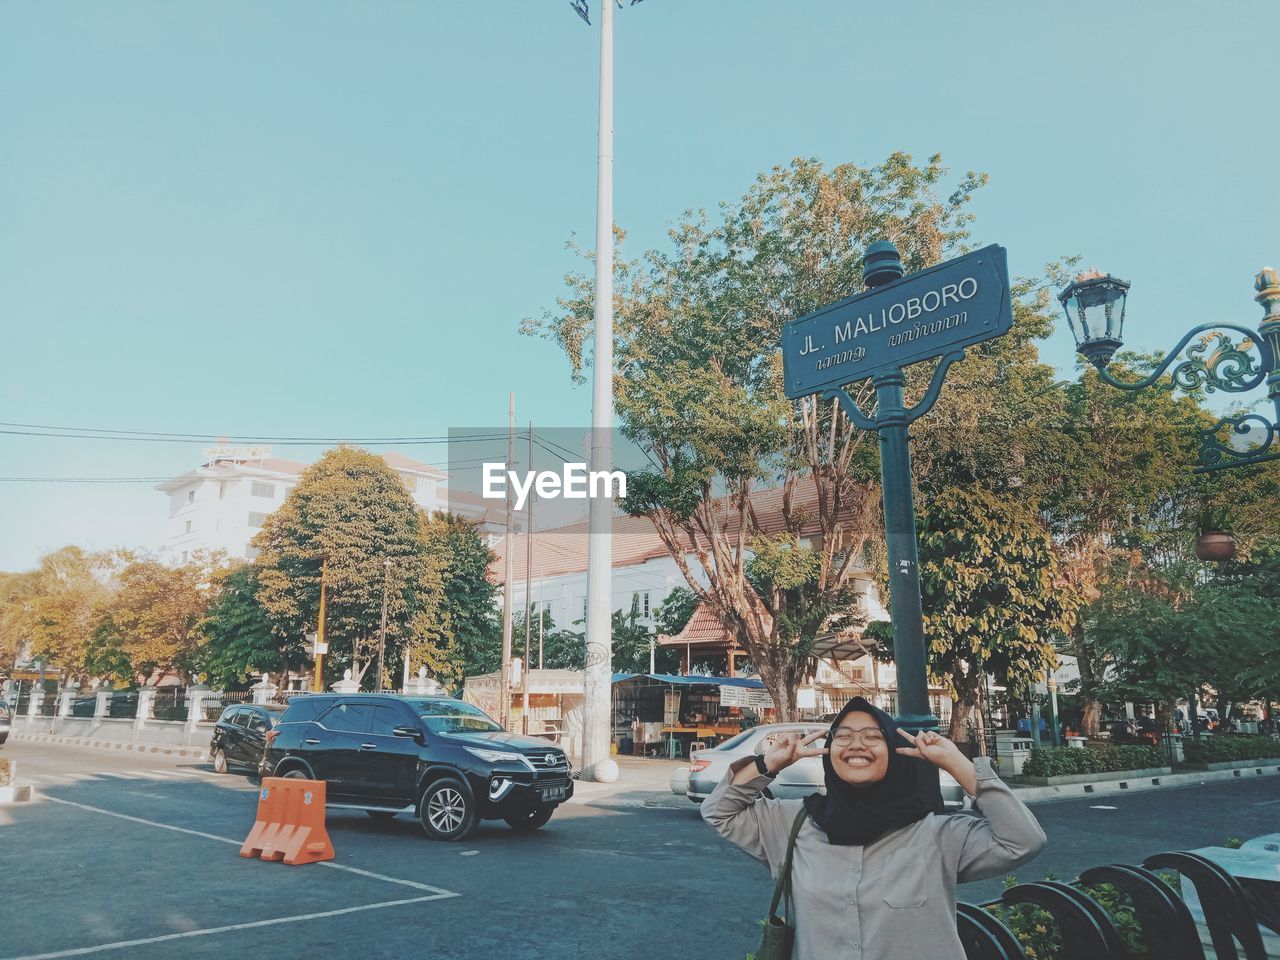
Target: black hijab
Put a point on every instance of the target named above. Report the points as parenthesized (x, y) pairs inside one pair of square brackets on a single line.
[(852, 815)]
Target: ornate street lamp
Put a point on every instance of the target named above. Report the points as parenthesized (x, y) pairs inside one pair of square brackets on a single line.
[(1095, 305), (1095, 311)]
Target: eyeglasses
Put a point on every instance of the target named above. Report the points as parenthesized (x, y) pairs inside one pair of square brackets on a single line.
[(866, 736)]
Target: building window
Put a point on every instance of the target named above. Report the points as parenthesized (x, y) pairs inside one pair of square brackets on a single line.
[(263, 490), (644, 605), (584, 608), (185, 554), (188, 530), (191, 496), (257, 519)]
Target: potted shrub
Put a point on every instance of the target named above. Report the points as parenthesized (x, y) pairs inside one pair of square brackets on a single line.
[(1213, 535)]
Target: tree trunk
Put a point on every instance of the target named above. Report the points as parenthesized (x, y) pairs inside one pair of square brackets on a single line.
[(1091, 709), (967, 706), (781, 684)]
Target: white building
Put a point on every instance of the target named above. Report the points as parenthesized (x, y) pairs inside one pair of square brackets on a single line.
[(223, 503)]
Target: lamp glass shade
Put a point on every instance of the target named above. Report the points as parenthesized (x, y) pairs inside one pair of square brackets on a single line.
[(1094, 305)]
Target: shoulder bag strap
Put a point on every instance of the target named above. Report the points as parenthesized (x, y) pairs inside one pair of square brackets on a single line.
[(783, 886)]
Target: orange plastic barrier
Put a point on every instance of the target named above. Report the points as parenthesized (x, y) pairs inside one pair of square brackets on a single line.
[(290, 823)]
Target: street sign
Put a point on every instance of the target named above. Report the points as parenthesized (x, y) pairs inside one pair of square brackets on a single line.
[(923, 315), (749, 697), (319, 648)]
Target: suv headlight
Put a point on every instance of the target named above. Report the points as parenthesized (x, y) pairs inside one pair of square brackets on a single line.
[(497, 756)]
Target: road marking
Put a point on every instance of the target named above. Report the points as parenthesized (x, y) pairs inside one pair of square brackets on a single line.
[(1266, 803), (1102, 806), (208, 931), (437, 891)]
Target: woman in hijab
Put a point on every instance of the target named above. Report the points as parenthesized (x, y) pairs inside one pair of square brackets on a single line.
[(875, 869)]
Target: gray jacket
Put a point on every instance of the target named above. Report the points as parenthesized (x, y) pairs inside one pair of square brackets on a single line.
[(894, 899)]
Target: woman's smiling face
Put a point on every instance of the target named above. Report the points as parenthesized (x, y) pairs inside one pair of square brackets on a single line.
[(859, 754)]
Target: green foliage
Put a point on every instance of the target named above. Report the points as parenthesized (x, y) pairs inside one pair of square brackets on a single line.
[(52, 611), (1233, 843), (1225, 747), (566, 649), (675, 611), (470, 599), (351, 510), (239, 639), (157, 611), (990, 589), (1096, 758), (1173, 630), (1038, 932)]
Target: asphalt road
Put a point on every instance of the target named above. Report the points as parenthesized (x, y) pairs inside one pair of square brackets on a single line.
[(135, 855)]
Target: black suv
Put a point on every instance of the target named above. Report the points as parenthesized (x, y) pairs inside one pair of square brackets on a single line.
[(240, 736), (443, 760)]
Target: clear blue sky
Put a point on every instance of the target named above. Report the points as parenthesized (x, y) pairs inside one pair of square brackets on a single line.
[(328, 218)]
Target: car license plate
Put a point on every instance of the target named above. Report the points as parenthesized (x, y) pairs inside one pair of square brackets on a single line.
[(552, 793)]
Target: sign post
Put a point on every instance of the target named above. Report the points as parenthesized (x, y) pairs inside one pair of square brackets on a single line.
[(900, 320)]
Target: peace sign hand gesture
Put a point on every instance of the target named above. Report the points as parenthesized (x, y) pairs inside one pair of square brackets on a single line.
[(790, 747), (931, 746)]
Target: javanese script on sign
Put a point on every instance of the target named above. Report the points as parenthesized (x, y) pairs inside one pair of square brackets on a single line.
[(923, 315)]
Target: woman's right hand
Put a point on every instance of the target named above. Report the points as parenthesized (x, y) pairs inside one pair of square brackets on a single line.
[(790, 747)]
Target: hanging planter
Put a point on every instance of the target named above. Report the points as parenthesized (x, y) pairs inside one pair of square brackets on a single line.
[(1214, 540), (1215, 545)]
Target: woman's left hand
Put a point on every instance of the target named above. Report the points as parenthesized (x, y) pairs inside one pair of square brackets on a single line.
[(933, 747)]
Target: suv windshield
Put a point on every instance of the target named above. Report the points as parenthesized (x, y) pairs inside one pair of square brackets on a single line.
[(454, 716)]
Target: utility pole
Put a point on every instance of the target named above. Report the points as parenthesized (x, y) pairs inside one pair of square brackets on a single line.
[(528, 598), (597, 680), (317, 685), (504, 683), (382, 635)]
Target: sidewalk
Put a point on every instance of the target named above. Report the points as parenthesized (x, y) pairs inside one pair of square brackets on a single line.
[(641, 782), (170, 749), (646, 783)]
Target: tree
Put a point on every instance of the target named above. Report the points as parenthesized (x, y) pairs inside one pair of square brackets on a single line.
[(238, 638), (350, 510), (157, 611), (674, 613), (470, 598), (993, 601), (699, 389), (52, 612), (1126, 484)]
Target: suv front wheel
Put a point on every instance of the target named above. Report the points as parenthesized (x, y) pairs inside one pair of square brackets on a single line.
[(447, 810)]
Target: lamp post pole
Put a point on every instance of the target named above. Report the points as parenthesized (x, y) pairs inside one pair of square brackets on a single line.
[(1052, 684), (597, 679)]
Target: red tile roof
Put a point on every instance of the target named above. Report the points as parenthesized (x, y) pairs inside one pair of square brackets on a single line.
[(560, 550)]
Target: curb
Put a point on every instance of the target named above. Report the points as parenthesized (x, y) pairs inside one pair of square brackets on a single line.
[(623, 795), (1100, 788), (195, 752)]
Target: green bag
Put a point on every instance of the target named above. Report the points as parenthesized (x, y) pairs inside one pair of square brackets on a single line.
[(779, 934)]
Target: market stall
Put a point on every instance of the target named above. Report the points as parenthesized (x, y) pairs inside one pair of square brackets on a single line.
[(555, 702), (663, 714)]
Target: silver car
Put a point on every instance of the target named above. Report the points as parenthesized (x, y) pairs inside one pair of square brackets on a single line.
[(708, 767)]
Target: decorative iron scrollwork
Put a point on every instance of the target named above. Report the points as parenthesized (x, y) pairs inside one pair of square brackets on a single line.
[(1225, 367), (1217, 454), (1212, 361)]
